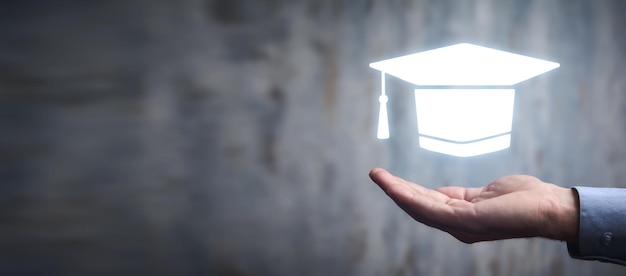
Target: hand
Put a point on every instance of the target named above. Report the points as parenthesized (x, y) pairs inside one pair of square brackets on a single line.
[(516, 206)]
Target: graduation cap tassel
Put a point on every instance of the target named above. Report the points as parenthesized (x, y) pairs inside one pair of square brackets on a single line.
[(383, 120)]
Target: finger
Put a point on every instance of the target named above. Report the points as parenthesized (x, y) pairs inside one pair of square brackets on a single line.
[(383, 178), (386, 180), (394, 187), (467, 194), (424, 205)]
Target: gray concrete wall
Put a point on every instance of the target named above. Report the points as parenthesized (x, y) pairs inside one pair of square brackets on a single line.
[(235, 137)]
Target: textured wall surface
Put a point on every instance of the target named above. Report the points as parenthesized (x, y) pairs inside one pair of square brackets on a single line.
[(234, 137)]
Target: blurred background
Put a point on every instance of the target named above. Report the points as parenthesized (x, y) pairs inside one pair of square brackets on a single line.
[(234, 137)]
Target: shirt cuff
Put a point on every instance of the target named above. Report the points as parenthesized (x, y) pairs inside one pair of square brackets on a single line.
[(602, 225)]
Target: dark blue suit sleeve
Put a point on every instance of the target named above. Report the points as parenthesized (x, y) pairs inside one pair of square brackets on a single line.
[(602, 227)]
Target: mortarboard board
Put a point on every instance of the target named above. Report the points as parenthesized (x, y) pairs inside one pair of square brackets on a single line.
[(465, 103)]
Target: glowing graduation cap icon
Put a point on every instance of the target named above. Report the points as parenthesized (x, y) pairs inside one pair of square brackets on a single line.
[(465, 105)]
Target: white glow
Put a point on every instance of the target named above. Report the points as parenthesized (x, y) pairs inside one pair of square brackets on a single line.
[(463, 115), (464, 64), (466, 149), (452, 119), (383, 122)]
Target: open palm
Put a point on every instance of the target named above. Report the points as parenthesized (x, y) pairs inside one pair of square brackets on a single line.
[(514, 206)]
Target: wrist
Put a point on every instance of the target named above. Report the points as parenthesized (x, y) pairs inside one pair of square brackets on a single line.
[(563, 216)]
